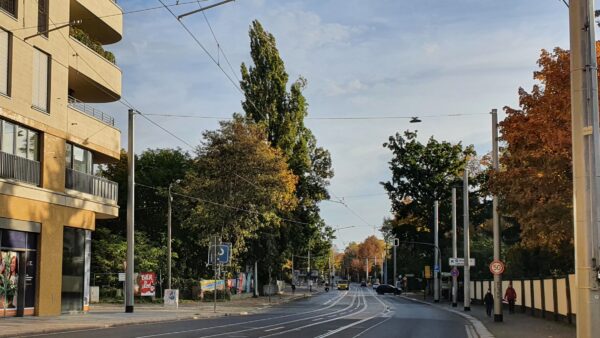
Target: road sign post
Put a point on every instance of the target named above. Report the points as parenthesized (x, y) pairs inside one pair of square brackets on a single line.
[(497, 267)]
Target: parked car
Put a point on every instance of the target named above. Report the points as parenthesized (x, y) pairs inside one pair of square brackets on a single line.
[(375, 285), (363, 284), (385, 288)]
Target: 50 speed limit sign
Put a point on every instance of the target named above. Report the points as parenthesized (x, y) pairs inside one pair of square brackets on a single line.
[(497, 267)]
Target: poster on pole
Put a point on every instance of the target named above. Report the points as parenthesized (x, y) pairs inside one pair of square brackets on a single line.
[(146, 284)]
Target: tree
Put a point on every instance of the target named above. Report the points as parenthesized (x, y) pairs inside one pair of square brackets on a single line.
[(535, 183), (242, 185), (269, 103)]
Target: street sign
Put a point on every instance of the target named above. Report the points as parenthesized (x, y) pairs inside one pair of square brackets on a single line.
[(497, 267), (454, 272), (436, 268), (460, 261), (223, 252), (396, 242), (121, 276)]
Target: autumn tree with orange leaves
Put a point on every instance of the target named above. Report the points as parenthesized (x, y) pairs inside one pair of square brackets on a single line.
[(535, 182)]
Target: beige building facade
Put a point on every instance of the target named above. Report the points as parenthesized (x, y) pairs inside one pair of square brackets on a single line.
[(52, 66)]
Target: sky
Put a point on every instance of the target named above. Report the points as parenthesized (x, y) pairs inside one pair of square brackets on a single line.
[(361, 59)]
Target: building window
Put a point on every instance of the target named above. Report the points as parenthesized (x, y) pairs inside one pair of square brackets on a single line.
[(73, 269), (5, 59), (9, 6), (79, 159), (43, 17), (19, 141), (41, 79)]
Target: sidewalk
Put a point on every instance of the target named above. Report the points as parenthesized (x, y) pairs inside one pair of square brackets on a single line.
[(514, 325), (108, 315)]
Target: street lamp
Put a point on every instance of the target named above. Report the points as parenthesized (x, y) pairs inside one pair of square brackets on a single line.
[(169, 233)]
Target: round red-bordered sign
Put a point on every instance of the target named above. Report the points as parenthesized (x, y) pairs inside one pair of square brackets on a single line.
[(497, 267)]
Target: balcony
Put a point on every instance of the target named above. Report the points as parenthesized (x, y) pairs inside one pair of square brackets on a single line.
[(92, 78), (91, 184), (103, 20), (19, 168), (91, 111), (83, 37)]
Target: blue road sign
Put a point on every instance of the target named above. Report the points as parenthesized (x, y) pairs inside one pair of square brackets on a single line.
[(223, 252), (436, 268)]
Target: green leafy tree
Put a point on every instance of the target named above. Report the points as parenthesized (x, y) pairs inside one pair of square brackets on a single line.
[(242, 185)]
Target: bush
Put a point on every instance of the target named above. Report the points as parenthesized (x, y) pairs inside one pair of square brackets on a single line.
[(83, 37), (221, 296)]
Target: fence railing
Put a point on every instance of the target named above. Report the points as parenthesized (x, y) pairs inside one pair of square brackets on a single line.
[(551, 298), (91, 111), (19, 168), (91, 184)]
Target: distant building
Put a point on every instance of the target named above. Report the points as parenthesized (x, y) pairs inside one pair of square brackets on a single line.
[(50, 141)]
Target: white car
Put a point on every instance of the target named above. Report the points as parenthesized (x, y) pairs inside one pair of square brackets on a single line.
[(375, 285)]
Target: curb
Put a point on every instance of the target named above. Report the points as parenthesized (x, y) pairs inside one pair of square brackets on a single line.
[(99, 326), (480, 329)]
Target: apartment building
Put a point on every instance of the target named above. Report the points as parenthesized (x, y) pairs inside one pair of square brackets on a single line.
[(50, 141)]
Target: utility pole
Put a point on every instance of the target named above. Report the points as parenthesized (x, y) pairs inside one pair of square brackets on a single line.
[(215, 266), (367, 260), (454, 249), (255, 279), (586, 146), (436, 267), (467, 249), (308, 274), (496, 222), (375, 268), (130, 214)]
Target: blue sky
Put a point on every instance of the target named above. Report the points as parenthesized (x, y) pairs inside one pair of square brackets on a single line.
[(361, 58)]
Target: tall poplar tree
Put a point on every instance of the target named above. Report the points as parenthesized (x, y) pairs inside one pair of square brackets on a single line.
[(281, 111)]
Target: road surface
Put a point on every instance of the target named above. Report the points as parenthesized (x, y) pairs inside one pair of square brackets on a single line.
[(358, 312)]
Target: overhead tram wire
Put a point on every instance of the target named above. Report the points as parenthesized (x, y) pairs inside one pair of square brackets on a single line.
[(215, 61), (333, 117), (121, 100), (135, 11)]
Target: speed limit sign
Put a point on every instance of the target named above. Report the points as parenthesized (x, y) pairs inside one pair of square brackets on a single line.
[(497, 267)]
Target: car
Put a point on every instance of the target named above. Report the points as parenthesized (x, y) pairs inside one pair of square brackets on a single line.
[(375, 285), (385, 288), (343, 285), (363, 284)]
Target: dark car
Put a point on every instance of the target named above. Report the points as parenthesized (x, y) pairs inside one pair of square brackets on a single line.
[(363, 283), (384, 288)]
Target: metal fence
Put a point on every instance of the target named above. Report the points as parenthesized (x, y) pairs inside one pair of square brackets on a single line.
[(91, 111), (551, 298), (19, 168), (91, 184)]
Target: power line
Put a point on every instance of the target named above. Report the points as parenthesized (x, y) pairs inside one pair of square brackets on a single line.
[(333, 117)]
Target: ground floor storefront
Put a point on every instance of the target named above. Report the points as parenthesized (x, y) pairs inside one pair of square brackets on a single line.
[(45, 258)]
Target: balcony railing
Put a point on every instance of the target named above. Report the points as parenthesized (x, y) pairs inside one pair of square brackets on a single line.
[(91, 111), (91, 184), (19, 168)]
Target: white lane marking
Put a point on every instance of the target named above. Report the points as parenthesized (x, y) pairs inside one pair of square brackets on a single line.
[(366, 305), (340, 329), (372, 326), (247, 322), (314, 320), (266, 326), (338, 296), (275, 329)]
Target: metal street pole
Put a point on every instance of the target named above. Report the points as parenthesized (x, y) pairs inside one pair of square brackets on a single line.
[(215, 267), (436, 267), (496, 222), (255, 279), (169, 238), (375, 268), (467, 249), (586, 146), (130, 214), (395, 274), (367, 260), (454, 249)]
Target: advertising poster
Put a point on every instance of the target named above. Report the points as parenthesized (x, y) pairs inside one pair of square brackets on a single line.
[(146, 282), (209, 284)]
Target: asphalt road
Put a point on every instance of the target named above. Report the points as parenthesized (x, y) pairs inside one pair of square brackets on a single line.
[(358, 312)]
